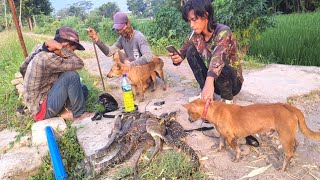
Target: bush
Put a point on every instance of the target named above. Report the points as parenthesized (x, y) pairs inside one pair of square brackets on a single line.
[(248, 18)]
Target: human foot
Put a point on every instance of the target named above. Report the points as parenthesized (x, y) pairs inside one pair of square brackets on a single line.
[(83, 116)]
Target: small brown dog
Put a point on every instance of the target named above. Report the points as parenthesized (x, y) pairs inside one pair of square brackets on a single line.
[(139, 75), (234, 121)]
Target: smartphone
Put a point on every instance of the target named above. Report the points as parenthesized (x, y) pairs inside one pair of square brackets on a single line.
[(173, 50)]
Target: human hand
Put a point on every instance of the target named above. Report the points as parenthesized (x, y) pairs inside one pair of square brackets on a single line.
[(127, 65), (176, 59), (208, 89), (53, 45), (92, 34)]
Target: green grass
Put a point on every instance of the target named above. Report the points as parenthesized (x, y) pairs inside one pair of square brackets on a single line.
[(167, 165), (295, 40), (71, 155), (10, 59)]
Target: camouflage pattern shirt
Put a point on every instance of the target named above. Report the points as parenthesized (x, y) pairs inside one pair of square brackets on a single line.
[(219, 50)]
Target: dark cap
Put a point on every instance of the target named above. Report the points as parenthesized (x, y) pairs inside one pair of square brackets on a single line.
[(69, 34), (119, 20)]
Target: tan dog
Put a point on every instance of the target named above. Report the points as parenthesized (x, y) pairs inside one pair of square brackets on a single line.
[(234, 121), (139, 75)]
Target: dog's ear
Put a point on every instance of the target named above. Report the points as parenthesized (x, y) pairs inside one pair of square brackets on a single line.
[(187, 106)]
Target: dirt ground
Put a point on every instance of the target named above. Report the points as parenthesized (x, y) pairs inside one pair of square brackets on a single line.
[(217, 165)]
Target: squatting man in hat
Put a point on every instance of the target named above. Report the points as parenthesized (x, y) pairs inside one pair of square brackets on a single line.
[(52, 85), (133, 42)]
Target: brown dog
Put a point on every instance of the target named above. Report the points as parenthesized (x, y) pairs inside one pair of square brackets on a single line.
[(139, 75), (234, 121)]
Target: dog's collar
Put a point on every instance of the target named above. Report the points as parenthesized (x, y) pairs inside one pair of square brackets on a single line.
[(205, 110)]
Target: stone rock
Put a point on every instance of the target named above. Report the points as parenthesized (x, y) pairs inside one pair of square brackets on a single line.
[(18, 75), (93, 135), (7, 137), (38, 130), (20, 89), (17, 81), (20, 164)]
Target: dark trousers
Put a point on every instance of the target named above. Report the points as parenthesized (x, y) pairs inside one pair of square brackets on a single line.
[(226, 85), (69, 91)]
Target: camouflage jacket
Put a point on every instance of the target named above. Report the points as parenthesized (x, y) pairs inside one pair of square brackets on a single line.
[(219, 50)]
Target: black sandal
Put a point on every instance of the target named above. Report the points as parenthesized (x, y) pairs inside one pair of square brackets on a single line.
[(252, 141)]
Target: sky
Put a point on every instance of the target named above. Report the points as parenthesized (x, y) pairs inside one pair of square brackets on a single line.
[(59, 4)]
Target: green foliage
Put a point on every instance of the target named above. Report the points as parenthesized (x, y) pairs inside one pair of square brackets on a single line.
[(294, 40), (108, 9), (170, 165), (137, 7), (247, 17), (78, 9), (34, 7), (168, 27), (71, 154), (11, 57)]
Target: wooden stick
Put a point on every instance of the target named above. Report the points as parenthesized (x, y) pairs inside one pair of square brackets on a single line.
[(16, 22), (95, 50)]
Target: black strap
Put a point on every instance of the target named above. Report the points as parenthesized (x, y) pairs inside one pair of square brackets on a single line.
[(199, 129)]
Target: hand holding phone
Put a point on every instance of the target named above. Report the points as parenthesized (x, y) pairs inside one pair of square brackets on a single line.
[(176, 60), (173, 50)]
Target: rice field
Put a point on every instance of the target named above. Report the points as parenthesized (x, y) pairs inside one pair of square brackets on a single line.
[(295, 40)]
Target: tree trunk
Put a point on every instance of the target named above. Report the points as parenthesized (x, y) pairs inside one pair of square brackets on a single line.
[(30, 23), (34, 21), (303, 5), (5, 14), (20, 21)]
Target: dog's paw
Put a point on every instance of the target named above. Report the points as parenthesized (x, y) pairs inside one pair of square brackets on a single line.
[(215, 148), (141, 99)]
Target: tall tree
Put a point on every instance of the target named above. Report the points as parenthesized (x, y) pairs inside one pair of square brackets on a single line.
[(108, 9), (137, 7), (78, 9), (33, 7)]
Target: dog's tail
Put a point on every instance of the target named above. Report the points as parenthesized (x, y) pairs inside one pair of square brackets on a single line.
[(302, 124)]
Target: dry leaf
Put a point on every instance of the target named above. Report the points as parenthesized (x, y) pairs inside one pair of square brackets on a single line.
[(256, 172), (204, 158)]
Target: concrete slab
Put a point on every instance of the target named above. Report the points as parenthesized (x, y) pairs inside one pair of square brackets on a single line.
[(275, 83)]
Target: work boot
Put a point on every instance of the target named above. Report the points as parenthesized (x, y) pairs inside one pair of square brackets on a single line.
[(252, 141)]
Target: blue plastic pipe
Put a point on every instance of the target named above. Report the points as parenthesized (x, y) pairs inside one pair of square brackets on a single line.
[(58, 168)]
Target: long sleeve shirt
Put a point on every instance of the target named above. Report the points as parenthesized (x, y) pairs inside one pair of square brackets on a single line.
[(221, 49), (137, 49), (41, 69)]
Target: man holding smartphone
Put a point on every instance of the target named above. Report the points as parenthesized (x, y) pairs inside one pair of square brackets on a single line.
[(133, 42), (211, 52)]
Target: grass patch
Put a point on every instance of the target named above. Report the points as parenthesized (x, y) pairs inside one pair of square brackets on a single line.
[(294, 40), (254, 62), (71, 154), (167, 165), (11, 58), (313, 96), (170, 165)]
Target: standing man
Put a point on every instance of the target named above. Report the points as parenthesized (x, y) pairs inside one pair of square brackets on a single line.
[(52, 85), (211, 52), (136, 48)]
